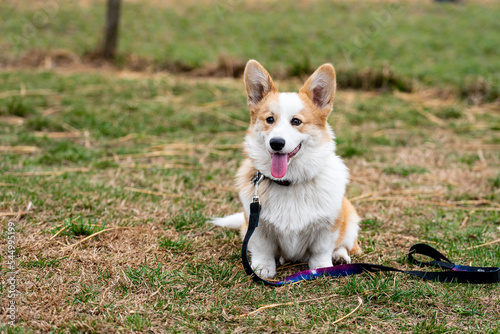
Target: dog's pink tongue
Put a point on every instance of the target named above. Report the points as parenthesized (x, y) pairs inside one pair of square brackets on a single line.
[(278, 165)]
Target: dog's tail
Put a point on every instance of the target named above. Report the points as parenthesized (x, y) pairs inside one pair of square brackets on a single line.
[(232, 221)]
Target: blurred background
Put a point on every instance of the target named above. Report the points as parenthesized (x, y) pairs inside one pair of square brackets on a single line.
[(373, 44)]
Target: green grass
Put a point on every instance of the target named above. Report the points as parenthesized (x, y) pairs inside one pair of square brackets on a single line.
[(495, 182), (404, 170), (42, 262), (177, 246), (88, 293), (138, 322), (79, 227)]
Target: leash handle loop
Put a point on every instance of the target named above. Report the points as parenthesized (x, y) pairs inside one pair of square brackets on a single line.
[(440, 260)]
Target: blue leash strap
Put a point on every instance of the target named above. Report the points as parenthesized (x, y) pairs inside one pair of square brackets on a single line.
[(452, 273)]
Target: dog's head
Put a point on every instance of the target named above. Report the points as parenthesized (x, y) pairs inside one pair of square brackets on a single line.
[(289, 136)]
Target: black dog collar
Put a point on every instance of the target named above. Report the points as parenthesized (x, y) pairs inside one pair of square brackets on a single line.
[(285, 183)]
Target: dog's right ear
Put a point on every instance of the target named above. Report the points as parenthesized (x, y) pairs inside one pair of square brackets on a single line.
[(258, 83)]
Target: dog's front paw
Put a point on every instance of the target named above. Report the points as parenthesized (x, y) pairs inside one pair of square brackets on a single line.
[(265, 270), (340, 255)]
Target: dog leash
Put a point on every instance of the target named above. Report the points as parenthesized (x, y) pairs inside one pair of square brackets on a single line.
[(452, 272)]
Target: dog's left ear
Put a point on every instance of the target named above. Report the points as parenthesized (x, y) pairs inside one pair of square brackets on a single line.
[(320, 87)]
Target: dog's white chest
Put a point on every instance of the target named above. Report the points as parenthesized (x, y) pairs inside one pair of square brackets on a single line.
[(293, 209), (308, 204)]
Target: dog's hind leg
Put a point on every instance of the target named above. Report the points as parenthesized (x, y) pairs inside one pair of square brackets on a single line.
[(348, 227)]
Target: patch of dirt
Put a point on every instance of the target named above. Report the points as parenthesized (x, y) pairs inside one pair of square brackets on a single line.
[(64, 59)]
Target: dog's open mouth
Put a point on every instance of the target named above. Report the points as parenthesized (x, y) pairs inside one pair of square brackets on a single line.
[(279, 162)]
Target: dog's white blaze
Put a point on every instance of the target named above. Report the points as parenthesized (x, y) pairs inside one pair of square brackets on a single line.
[(290, 105), (286, 107)]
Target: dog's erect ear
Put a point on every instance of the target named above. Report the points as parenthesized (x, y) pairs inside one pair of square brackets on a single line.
[(258, 82), (320, 87)]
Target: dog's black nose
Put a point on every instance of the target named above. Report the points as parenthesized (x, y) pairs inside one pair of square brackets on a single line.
[(277, 144)]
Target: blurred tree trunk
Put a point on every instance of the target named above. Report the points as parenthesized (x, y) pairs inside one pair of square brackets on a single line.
[(110, 42)]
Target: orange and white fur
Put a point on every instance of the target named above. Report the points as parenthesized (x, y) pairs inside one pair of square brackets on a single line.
[(289, 139)]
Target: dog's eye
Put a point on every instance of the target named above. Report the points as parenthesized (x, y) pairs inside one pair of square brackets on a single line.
[(270, 120), (296, 121)]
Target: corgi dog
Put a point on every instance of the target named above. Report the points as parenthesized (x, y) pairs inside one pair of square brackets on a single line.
[(305, 216)]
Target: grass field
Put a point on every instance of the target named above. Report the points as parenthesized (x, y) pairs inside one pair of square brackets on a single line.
[(110, 175)]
